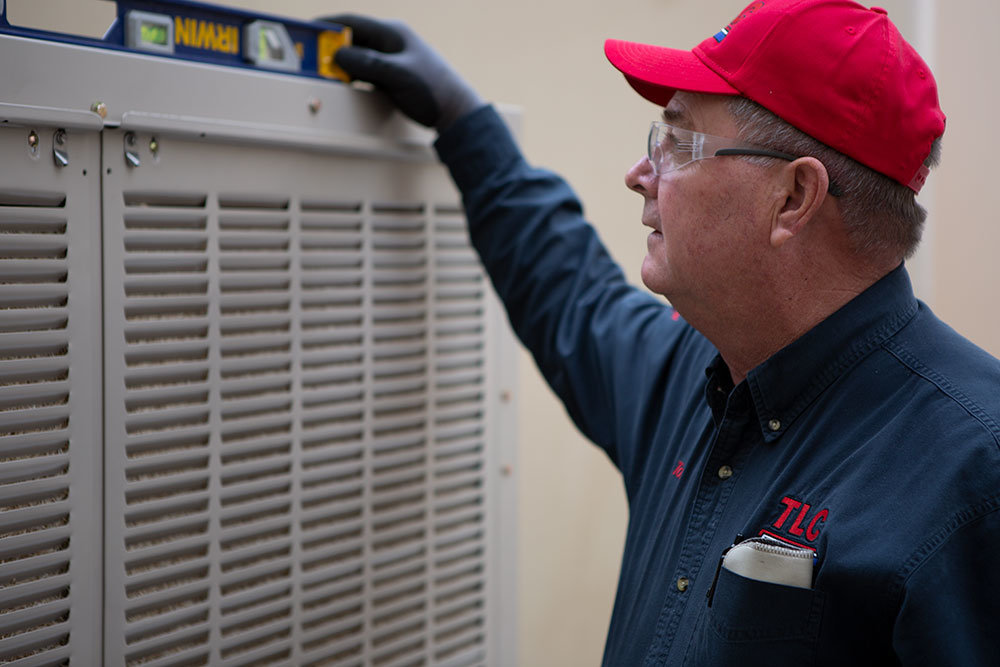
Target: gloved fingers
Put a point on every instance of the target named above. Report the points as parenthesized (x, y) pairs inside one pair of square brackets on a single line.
[(417, 80), (371, 33), (368, 65)]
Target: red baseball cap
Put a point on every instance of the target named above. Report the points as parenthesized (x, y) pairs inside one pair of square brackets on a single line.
[(836, 70)]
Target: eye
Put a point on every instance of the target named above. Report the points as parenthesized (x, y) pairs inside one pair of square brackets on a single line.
[(667, 142)]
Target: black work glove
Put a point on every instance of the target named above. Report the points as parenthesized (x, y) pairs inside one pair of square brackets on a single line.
[(396, 61)]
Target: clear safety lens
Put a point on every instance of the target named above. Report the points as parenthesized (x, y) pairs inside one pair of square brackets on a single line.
[(671, 148)]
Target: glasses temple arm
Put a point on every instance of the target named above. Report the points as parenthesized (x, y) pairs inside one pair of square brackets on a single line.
[(761, 152), (833, 188)]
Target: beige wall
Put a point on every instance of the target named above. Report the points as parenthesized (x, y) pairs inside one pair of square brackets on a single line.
[(967, 197), (582, 120)]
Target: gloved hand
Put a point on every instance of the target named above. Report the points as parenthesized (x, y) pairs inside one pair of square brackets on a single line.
[(396, 61)]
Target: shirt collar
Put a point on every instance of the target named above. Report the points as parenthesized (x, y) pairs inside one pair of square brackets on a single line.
[(792, 378)]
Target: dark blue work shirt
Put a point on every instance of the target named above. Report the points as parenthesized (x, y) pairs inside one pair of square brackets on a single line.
[(873, 440)]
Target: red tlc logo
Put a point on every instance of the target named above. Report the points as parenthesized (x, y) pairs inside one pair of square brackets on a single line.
[(806, 523)]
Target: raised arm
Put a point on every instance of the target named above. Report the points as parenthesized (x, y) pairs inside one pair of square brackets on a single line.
[(599, 342)]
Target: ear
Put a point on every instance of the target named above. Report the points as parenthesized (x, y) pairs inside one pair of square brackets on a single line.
[(804, 184)]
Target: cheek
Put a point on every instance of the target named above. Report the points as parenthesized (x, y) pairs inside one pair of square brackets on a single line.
[(693, 220), (708, 230)]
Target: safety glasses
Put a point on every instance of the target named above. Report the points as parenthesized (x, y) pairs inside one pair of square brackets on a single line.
[(671, 148)]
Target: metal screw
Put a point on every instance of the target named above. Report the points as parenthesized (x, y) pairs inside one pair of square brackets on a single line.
[(505, 396), (154, 145), (131, 155), (315, 104), (59, 153), (506, 470), (100, 108), (33, 140)]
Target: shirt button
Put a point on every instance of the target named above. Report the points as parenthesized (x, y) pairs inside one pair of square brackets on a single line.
[(682, 584), (725, 472), (774, 425)]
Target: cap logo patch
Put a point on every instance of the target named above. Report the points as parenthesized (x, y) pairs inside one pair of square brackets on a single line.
[(751, 8)]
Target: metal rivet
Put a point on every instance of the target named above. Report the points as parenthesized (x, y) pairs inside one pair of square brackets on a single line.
[(315, 104), (100, 108), (725, 472), (506, 470), (774, 425), (682, 584), (505, 396), (154, 145)]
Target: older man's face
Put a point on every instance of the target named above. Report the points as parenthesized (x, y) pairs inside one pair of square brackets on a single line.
[(708, 229)]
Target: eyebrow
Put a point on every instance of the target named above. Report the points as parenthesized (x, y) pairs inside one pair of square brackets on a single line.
[(677, 117)]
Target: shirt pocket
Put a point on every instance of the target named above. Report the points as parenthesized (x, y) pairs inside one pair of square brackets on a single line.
[(755, 622)]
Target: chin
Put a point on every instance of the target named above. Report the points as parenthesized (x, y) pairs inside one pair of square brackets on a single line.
[(653, 277)]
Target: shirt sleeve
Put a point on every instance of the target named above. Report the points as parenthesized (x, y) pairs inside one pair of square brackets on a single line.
[(951, 601), (600, 343)]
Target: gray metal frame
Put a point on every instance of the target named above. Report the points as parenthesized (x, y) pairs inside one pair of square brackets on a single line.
[(223, 190)]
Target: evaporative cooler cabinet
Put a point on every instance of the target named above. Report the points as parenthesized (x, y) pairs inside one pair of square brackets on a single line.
[(254, 391)]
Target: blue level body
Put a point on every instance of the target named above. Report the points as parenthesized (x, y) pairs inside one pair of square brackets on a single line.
[(211, 34)]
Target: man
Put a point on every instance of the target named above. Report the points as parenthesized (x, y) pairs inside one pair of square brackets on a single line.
[(796, 399)]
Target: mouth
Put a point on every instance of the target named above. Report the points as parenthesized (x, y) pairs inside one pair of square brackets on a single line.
[(655, 239)]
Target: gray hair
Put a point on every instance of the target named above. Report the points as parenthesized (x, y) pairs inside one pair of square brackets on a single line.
[(882, 216)]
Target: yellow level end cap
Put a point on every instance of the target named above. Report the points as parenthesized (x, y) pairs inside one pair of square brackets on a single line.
[(329, 43)]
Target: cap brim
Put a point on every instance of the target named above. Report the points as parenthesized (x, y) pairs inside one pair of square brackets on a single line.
[(656, 72)]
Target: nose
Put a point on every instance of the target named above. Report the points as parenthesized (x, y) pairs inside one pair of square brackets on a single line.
[(640, 178)]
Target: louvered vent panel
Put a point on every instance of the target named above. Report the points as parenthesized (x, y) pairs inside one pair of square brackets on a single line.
[(255, 294), (399, 593), (458, 500), (163, 240), (335, 306), (49, 410), (296, 414)]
